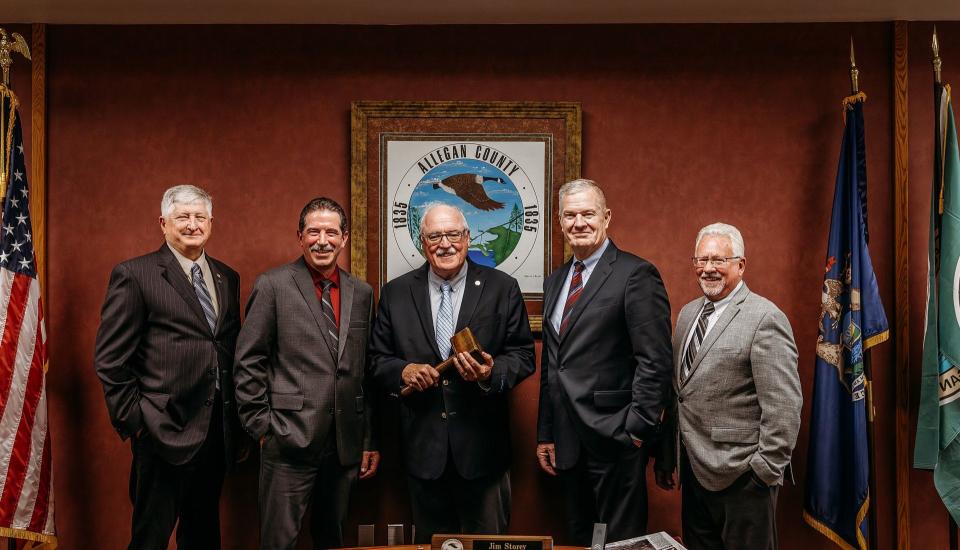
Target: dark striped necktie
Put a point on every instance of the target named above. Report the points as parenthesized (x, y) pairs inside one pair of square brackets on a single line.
[(576, 289), (206, 304), (697, 339), (331, 319)]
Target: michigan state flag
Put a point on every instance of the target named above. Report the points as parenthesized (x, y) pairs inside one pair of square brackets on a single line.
[(938, 424), (852, 320)]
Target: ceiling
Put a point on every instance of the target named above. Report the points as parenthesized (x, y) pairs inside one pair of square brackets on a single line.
[(432, 12)]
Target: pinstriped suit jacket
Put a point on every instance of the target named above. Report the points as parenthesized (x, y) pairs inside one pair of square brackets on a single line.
[(739, 408), (157, 357)]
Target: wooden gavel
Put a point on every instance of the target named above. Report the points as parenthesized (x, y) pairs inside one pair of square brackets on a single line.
[(462, 341)]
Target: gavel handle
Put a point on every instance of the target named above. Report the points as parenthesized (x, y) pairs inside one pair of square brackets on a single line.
[(407, 390)]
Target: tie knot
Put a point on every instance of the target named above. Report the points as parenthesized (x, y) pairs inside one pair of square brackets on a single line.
[(578, 266), (708, 309), (445, 287), (195, 270), (326, 284)]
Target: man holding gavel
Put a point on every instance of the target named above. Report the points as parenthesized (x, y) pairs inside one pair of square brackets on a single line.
[(456, 435)]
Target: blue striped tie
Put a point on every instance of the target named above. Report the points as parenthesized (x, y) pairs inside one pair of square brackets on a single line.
[(444, 321), (206, 304)]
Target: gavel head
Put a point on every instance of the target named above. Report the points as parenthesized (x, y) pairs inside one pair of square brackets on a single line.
[(464, 341)]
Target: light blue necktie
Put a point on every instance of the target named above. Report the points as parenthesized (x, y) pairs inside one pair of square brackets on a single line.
[(444, 320)]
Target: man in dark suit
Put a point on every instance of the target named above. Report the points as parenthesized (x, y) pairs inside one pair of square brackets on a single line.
[(604, 372), (301, 360), (456, 432), (164, 354), (737, 412)]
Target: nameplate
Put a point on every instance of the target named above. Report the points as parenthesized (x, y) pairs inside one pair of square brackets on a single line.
[(490, 542)]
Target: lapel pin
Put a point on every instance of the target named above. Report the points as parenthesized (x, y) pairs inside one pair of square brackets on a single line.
[(476, 283)]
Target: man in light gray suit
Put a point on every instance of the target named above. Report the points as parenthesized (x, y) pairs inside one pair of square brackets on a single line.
[(737, 406), (300, 369)]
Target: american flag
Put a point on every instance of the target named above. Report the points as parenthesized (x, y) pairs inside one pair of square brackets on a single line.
[(26, 479)]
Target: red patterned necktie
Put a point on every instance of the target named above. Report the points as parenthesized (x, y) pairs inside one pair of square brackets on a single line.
[(576, 289)]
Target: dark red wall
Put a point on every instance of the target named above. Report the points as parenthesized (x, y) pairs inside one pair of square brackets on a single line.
[(683, 125)]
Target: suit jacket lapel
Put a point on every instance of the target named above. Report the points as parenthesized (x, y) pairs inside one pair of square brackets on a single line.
[(597, 277), (551, 297), (721, 325), (222, 288), (346, 307), (173, 273), (420, 291), (684, 326), (473, 288), (304, 281)]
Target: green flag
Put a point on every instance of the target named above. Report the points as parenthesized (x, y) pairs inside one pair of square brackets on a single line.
[(938, 424)]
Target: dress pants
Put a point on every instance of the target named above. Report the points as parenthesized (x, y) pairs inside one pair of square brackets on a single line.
[(162, 493), (741, 516), (602, 491), (452, 504), (289, 484)]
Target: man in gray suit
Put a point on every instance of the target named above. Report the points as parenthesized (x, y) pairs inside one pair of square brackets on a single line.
[(737, 408), (300, 368)]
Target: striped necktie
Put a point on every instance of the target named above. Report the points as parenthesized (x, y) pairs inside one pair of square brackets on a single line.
[(206, 304), (444, 320), (330, 318), (697, 339), (576, 289)]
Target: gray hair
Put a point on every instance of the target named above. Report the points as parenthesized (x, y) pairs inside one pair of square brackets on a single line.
[(723, 230), (184, 194), (432, 205), (580, 185)]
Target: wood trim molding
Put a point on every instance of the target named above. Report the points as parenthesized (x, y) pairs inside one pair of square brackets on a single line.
[(901, 182), (38, 142)]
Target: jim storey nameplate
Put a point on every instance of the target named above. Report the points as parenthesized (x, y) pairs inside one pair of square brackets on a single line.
[(490, 542)]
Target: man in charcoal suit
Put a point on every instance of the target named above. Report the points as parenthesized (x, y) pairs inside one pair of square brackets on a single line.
[(300, 374), (164, 354), (737, 409), (604, 372)]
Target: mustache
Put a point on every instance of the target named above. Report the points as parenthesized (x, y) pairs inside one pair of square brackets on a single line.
[(320, 248), (444, 252)]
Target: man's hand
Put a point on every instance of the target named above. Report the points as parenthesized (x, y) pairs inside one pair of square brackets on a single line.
[(664, 479), (369, 464), (547, 457), (420, 376), (470, 369)]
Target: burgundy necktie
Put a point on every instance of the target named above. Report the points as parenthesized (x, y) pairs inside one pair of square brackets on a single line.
[(576, 288)]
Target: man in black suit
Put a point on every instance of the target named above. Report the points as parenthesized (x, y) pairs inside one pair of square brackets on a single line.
[(164, 354), (456, 433), (301, 360), (604, 372)]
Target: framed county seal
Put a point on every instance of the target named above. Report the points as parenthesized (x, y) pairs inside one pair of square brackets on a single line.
[(501, 163)]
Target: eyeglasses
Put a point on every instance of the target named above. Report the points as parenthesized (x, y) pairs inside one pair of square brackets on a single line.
[(714, 262), (453, 236)]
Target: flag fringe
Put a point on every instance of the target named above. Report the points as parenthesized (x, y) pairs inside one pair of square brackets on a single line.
[(832, 535), (876, 339), (49, 542)]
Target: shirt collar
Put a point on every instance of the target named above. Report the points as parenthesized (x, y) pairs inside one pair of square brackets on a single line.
[(454, 282), (186, 263), (592, 259), (318, 278)]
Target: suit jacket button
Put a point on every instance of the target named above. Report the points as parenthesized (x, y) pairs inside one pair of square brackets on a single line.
[(208, 402), (443, 415), (330, 410), (212, 372), (446, 382), (679, 399)]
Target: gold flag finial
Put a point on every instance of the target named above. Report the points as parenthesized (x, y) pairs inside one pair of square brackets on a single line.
[(854, 71), (15, 43), (936, 56)]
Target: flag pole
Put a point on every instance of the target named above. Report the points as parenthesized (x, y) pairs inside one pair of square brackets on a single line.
[(867, 373)]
